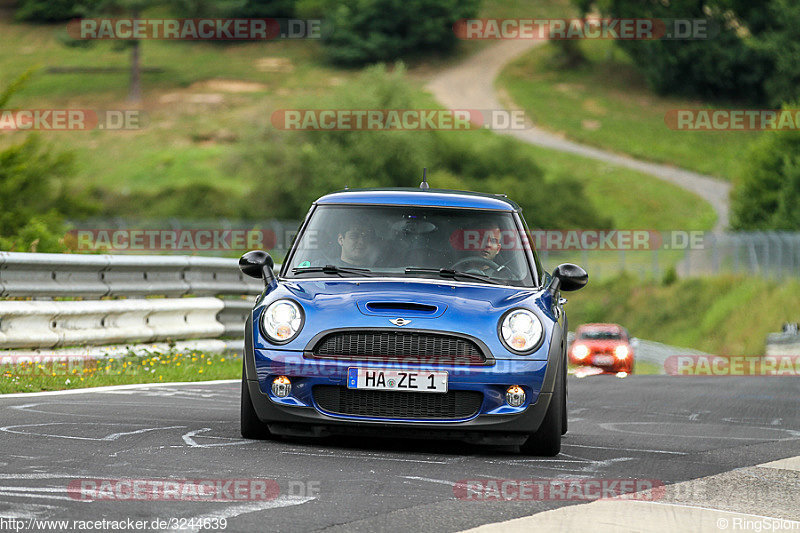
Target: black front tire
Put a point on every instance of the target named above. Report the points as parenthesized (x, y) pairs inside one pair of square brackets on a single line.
[(252, 427), (546, 442)]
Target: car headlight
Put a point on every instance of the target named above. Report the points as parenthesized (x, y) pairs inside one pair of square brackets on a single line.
[(521, 330), (281, 321), (621, 352), (580, 351)]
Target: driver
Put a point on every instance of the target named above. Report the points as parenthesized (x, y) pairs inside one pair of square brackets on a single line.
[(482, 260), (358, 245), (491, 243)]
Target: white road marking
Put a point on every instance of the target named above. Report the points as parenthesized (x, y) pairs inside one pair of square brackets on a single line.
[(115, 388), (38, 496), (44, 476), (29, 408), (610, 426), (440, 481), (188, 439), (623, 449), (115, 436), (110, 437), (238, 510), (35, 489)]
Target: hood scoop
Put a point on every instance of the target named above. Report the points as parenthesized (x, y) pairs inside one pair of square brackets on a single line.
[(404, 309)]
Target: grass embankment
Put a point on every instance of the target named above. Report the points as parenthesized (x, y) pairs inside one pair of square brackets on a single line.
[(646, 368), (606, 103), (74, 373), (722, 315)]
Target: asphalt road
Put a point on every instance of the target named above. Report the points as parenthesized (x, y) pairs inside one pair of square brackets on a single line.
[(645, 427)]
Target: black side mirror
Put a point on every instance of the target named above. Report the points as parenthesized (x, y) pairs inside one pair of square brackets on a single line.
[(258, 264), (568, 277)]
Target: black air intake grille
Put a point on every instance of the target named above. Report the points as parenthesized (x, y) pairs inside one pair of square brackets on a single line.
[(394, 345), (391, 404)]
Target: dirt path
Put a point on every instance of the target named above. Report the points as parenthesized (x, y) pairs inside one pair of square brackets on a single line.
[(470, 85)]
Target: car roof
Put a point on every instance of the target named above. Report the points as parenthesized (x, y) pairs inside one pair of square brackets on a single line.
[(413, 196), (602, 326)]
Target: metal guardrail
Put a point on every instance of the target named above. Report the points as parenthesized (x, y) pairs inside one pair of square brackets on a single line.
[(94, 276), (36, 324), (128, 317)]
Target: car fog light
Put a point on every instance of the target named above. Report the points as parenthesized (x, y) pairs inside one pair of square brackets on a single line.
[(515, 396), (281, 387), (622, 374)]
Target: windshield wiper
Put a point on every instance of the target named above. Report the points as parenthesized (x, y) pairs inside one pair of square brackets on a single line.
[(449, 273), (332, 269)]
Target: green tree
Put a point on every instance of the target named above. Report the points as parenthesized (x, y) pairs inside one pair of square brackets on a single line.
[(235, 8), (368, 31), (755, 57), (779, 39), (725, 66), (769, 196)]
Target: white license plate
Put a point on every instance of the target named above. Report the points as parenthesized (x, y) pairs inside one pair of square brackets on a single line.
[(603, 360), (396, 380)]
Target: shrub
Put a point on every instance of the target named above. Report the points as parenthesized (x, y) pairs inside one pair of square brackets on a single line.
[(36, 197)]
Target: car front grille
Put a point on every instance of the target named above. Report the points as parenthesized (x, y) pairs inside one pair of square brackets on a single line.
[(407, 346), (451, 405)]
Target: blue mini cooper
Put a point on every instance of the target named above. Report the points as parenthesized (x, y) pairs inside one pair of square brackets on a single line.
[(417, 311)]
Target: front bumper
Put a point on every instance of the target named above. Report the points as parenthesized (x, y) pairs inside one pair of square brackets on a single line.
[(495, 421)]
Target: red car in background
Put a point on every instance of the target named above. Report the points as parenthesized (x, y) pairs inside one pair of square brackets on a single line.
[(604, 346)]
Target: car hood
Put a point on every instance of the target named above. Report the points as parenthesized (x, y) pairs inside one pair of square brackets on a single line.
[(468, 309)]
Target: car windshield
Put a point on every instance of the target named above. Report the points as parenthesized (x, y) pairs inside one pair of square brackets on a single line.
[(463, 244), (600, 335)]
